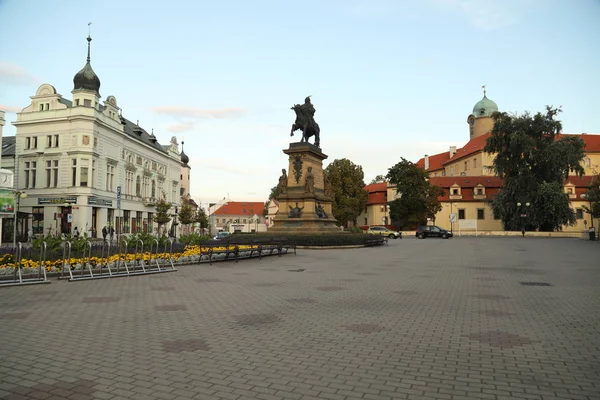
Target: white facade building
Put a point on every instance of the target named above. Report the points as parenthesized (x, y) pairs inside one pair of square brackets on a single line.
[(72, 155)]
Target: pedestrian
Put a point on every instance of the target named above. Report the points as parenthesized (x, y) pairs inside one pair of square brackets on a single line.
[(30, 236), (104, 233), (112, 233), (76, 232)]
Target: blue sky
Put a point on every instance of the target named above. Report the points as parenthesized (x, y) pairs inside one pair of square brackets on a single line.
[(388, 79)]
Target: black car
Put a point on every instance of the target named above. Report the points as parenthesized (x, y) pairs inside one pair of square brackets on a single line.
[(425, 231)]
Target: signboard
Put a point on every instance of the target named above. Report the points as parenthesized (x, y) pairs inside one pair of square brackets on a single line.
[(95, 201), (58, 201), (453, 217), (69, 217), (7, 201), (118, 197)]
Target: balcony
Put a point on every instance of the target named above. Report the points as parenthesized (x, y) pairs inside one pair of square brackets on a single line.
[(149, 201)]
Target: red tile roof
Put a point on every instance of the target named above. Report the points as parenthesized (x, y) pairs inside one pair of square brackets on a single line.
[(377, 193), (473, 146), (436, 161), (592, 141), (241, 208)]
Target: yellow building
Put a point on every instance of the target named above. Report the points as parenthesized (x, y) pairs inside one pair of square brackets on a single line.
[(469, 182)]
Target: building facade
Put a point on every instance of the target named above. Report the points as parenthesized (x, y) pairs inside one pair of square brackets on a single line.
[(234, 216), (469, 182), (82, 164)]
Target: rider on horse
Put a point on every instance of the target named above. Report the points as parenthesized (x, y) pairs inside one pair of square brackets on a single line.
[(305, 121)]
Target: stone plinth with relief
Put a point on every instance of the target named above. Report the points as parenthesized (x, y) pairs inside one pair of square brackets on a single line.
[(305, 205)]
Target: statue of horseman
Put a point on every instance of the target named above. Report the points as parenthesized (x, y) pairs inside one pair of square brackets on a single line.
[(305, 121)]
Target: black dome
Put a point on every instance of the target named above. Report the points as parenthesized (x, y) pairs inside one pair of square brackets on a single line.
[(86, 78), (184, 158)]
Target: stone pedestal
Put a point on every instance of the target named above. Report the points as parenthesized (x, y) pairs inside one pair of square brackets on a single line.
[(298, 204)]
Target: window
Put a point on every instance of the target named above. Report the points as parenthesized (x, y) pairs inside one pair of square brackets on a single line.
[(93, 173), (146, 187), (37, 224), (474, 163), (73, 172), (150, 222), (244, 221), (49, 141), (84, 173), (126, 217), (570, 190), (30, 172), (138, 221), (77, 103), (110, 177), (461, 213), (480, 213), (587, 162), (31, 142), (579, 213), (52, 173), (479, 191), (466, 166), (129, 182), (455, 192), (87, 103)]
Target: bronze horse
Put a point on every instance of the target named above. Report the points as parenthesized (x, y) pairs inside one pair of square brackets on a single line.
[(304, 124)]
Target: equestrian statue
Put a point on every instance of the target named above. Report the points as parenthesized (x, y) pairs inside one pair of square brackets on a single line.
[(305, 121)]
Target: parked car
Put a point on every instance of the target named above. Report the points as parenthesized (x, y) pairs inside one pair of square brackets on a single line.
[(221, 235), (425, 231), (383, 231)]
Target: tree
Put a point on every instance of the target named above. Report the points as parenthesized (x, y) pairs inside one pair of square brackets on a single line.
[(378, 179), (347, 187), (418, 199), (186, 213), (593, 196), (275, 191), (201, 218), (162, 216), (534, 162)]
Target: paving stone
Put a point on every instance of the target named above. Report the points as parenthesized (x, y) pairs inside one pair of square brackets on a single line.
[(418, 324)]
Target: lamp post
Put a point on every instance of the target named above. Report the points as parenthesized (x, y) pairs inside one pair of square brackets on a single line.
[(18, 196), (450, 217), (523, 215)]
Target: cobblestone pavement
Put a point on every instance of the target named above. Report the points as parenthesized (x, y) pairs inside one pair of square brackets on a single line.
[(487, 318)]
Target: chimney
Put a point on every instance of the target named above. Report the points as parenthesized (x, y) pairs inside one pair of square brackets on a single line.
[(426, 162), (452, 151)]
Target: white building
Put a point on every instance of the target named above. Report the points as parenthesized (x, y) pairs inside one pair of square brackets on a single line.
[(72, 155)]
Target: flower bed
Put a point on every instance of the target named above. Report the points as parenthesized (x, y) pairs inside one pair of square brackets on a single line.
[(191, 254)]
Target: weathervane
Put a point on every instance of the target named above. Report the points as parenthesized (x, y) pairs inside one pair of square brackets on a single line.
[(483, 87)]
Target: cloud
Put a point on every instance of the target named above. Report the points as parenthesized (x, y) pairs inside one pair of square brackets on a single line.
[(10, 109), (181, 127), (200, 113), (223, 165), (13, 74), (487, 14)]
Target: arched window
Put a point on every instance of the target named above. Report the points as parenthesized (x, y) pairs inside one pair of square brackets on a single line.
[(153, 189)]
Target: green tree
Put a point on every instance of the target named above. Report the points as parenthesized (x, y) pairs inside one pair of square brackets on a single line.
[(275, 191), (534, 162), (347, 186), (186, 213), (201, 218), (378, 179), (162, 216), (417, 200), (593, 196)]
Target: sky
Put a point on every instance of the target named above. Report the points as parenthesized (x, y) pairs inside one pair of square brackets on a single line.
[(388, 78)]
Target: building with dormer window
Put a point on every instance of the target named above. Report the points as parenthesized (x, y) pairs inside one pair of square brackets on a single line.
[(83, 164)]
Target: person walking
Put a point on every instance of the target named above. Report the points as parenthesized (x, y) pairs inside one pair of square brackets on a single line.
[(76, 232), (104, 233)]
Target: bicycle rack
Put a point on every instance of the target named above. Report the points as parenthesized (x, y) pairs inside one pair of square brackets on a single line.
[(66, 261), (17, 278), (105, 256)]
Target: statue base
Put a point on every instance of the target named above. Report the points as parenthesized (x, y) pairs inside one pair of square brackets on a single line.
[(301, 211)]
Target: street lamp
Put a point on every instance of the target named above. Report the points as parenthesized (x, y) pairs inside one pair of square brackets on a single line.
[(450, 217), (523, 216), (18, 196)]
